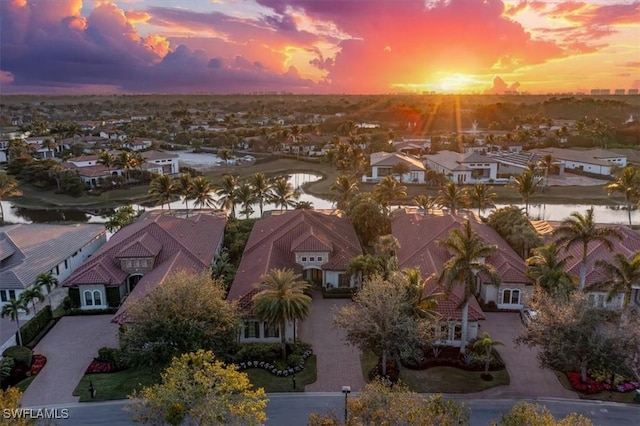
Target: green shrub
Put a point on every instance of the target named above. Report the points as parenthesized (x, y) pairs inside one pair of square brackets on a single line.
[(20, 354), (267, 352), (6, 367), (114, 356), (339, 293), (35, 325)]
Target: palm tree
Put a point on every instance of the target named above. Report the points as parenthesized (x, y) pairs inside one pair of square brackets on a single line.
[(261, 189), (8, 188), (452, 197), (468, 253), (30, 295), (547, 164), (202, 192), (388, 190), (345, 188), (185, 188), (627, 183), (581, 229), (227, 192), (622, 274), (364, 265), (527, 184), (50, 282), (486, 345), (481, 194), (420, 306), (303, 205), (400, 168), (224, 154), (549, 271), (106, 159), (246, 197), (425, 203), (12, 310), (386, 248), (163, 189), (281, 298), (125, 161), (283, 193)]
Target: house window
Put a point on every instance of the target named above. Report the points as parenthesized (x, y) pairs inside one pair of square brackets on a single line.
[(343, 280), (251, 330), (312, 259), (597, 300), (88, 298), (271, 330), (6, 295), (457, 332), (319, 258), (97, 298), (128, 263), (143, 263), (136, 263), (66, 263), (304, 258), (511, 296)]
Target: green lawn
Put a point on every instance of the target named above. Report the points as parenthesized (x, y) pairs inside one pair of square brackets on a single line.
[(116, 385), (263, 379)]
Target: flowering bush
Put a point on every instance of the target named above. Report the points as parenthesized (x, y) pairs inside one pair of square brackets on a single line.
[(38, 364), (592, 386), (99, 366)]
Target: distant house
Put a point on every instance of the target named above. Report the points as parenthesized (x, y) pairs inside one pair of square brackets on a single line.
[(418, 236), (595, 161), (464, 168), (28, 250), (137, 144), (382, 164), (139, 257), (315, 244)]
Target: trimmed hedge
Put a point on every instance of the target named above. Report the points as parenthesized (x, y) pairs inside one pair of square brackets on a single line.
[(339, 293), (20, 354), (35, 325), (77, 311)]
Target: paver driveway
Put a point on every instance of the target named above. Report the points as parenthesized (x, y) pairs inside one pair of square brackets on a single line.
[(69, 347), (338, 363), (528, 379)]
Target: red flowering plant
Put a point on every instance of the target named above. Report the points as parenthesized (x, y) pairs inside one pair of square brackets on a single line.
[(38, 364), (99, 366)]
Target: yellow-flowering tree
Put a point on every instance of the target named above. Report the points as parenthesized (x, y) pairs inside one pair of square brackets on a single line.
[(524, 413)]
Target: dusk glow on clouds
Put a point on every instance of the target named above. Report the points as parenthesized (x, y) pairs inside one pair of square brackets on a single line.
[(318, 46)]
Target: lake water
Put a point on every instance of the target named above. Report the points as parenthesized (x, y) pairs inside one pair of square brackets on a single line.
[(603, 214)]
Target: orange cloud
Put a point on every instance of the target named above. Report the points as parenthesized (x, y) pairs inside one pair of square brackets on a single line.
[(157, 44), (137, 16)]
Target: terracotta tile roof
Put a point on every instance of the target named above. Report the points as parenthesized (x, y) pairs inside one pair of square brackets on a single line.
[(450, 307), (146, 246), (272, 238)]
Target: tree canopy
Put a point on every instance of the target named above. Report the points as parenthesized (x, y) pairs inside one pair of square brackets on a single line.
[(525, 413)]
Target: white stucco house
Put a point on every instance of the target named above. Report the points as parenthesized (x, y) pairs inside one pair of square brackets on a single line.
[(464, 168), (382, 164), (595, 161)]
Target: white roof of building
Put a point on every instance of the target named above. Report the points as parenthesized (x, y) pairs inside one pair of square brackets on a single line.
[(455, 161), (591, 156), (382, 159)]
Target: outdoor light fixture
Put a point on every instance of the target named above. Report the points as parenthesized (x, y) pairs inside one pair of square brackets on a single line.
[(346, 390)]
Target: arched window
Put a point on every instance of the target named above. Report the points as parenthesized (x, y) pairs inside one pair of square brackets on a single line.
[(88, 298), (511, 296), (97, 298)]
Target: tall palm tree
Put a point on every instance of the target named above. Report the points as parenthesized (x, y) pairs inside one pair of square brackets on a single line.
[(30, 295), (106, 159), (389, 190), (386, 248), (527, 184), (627, 183), (364, 265), (48, 281), (261, 189), (547, 164), (184, 187), (125, 161), (345, 188), (303, 205), (425, 203), (580, 229), (281, 298), (163, 189), (420, 306), (622, 274), (283, 194), (481, 194), (549, 270), (12, 310), (8, 188), (468, 252), (227, 193), (246, 197), (452, 197), (202, 192)]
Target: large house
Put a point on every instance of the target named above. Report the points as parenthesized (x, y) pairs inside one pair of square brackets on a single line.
[(28, 250), (316, 244), (596, 161), (464, 168), (138, 258), (382, 164), (418, 236)]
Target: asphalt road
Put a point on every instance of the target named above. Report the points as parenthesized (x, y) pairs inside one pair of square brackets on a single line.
[(294, 409)]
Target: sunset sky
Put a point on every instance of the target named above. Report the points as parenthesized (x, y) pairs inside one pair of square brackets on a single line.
[(318, 46)]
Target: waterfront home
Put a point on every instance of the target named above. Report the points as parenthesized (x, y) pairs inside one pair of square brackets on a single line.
[(382, 164), (464, 168)]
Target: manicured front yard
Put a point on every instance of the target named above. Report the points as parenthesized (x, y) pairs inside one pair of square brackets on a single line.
[(116, 385), (626, 397), (261, 378)]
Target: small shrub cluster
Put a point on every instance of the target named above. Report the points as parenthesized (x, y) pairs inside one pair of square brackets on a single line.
[(268, 356), (39, 362), (393, 372), (35, 325), (113, 356), (20, 354), (592, 386), (339, 293), (450, 356), (99, 366)]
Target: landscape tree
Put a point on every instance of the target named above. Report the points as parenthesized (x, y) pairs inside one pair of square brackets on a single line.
[(345, 187), (281, 298), (468, 252), (628, 184), (227, 192), (225, 155), (364, 266), (386, 247), (184, 187), (546, 163), (10, 400), (368, 217), (202, 193), (400, 169), (547, 268), (574, 335), (425, 203), (514, 226), (420, 306), (245, 197), (303, 205), (481, 195), (379, 404), (122, 217), (163, 190), (526, 413), (486, 344), (48, 281), (622, 274), (106, 159), (184, 313), (8, 188), (12, 310), (283, 194), (197, 388), (31, 295), (452, 197), (378, 320), (261, 189), (126, 162), (579, 229), (388, 190), (527, 184)]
